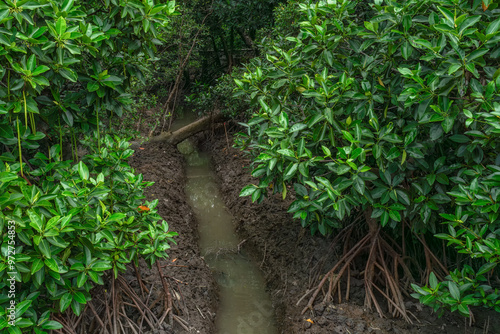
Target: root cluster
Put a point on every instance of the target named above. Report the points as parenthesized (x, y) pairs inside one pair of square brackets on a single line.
[(122, 309), (381, 274)]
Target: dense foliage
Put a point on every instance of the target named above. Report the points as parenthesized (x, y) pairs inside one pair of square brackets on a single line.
[(64, 65), (387, 110)]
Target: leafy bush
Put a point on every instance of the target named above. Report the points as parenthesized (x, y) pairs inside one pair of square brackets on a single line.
[(64, 65), (391, 108), (82, 220), (218, 97)]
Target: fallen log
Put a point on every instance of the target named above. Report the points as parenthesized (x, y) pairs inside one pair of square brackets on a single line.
[(185, 132)]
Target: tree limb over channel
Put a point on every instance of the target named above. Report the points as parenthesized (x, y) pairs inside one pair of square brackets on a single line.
[(187, 131)]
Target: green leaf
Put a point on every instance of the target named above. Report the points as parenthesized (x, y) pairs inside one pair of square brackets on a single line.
[(81, 279), (290, 171), (101, 266), (470, 21), (287, 152), (453, 68), (67, 4), (52, 264), (68, 74), (297, 127), (359, 184), (493, 27), (31, 64), (348, 136), (405, 71), (433, 280), (117, 216), (406, 50), (384, 218), (14, 330), (65, 301), (447, 124), (486, 267), (458, 138), (51, 324), (454, 291), (476, 54), (36, 265), (93, 276), (36, 221), (22, 307), (52, 222), (248, 190), (448, 16), (40, 69), (76, 307), (256, 195), (44, 248), (395, 215), (61, 26), (79, 297), (92, 86), (83, 171)]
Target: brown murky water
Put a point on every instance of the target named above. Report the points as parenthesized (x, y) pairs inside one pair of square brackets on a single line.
[(245, 307)]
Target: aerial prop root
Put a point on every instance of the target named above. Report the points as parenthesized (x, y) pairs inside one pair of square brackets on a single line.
[(120, 309), (380, 275)]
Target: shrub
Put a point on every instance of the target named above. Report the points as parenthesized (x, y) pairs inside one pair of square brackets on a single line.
[(80, 221), (218, 97), (388, 110), (64, 65)]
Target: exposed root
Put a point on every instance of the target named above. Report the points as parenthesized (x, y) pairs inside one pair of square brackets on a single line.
[(380, 274), (122, 309)]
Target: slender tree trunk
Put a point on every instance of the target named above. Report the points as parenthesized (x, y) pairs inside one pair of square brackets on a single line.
[(216, 50), (246, 39), (226, 51), (231, 49)]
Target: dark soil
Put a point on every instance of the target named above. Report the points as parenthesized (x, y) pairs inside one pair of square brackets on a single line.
[(193, 289), (293, 260)]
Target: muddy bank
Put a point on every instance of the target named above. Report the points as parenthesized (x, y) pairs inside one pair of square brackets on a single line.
[(293, 260), (194, 290)]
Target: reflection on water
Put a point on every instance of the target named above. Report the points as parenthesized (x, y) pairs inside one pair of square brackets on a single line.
[(245, 307)]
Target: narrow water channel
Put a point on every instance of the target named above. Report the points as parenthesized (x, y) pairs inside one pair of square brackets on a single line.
[(245, 307)]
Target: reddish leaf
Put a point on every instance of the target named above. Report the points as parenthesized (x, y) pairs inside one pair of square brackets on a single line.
[(143, 208)]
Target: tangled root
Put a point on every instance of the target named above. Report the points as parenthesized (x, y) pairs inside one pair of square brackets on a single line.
[(380, 274), (111, 311)]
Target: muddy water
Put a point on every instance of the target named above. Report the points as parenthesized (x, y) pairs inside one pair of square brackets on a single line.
[(245, 307)]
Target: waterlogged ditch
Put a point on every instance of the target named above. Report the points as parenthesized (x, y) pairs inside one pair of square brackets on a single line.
[(244, 307)]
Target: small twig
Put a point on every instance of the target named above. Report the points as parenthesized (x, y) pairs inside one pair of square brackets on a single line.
[(304, 296), (202, 315), (139, 280), (240, 244), (264, 258), (139, 305), (113, 303), (174, 265), (97, 316), (167, 311), (168, 301), (108, 315), (227, 138), (176, 318), (146, 303)]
